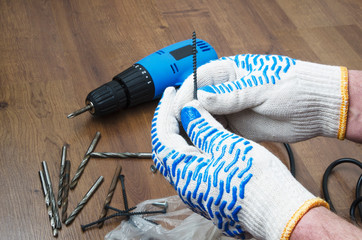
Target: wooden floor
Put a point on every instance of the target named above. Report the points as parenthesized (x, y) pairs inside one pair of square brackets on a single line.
[(54, 52)]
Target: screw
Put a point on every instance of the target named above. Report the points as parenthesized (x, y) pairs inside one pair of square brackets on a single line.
[(121, 177), (161, 204), (153, 168), (119, 213)]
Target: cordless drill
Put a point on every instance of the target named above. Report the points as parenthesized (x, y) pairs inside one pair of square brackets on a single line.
[(147, 79)]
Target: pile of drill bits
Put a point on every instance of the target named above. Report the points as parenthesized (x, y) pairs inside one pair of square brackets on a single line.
[(65, 184), (63, 190), (52, 208)]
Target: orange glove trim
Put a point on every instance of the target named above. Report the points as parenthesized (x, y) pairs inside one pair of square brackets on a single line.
[(309, 204), (344, 105)]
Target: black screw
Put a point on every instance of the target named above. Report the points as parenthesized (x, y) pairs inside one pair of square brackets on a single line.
[(121, 177), (119, 213), (118, 210)]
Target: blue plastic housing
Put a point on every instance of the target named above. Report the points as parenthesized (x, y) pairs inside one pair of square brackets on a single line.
[(171, 65)]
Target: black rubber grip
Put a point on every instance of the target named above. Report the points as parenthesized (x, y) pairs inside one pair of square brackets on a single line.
[(138, 84), (107, 99)]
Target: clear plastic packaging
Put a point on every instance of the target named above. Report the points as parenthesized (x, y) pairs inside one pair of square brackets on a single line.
[(178, 223)]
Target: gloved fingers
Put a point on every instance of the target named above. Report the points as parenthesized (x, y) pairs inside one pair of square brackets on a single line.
[(214, 72), (165, 135), (256, 76), (259, 127), (232, 97), (210, 137), (229, 170)]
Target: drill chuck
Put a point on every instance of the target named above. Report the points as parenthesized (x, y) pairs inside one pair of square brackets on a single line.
[(129, 88), (146, 80)]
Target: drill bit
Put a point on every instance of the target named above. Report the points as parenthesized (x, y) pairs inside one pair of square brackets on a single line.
[(44, 187), (84, 161), (194, 63), (120, 155), (84, 200), (88, 107), (66, 191), (49, 185), (61, 175), (108, 199), (47, 203)]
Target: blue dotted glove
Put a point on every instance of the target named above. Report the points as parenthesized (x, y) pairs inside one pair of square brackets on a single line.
[(272, 98), (234, 182)]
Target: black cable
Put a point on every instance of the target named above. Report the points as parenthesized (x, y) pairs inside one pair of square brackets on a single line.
[(358, 194), (291, 158), (325, 182), (356, 202)]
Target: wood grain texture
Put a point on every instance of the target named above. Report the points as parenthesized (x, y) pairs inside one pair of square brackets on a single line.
[(54, 52)]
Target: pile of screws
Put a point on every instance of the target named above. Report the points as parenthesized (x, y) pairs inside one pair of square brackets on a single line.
[(126, 212), (64, 186)]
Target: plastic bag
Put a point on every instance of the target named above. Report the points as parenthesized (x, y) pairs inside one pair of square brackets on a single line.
[(178, 223)]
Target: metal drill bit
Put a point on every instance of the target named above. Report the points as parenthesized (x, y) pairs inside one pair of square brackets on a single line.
[(84, 200), (121, 177), (84, 161), (194, 61), (66, 191), (89, 107), (49, 185), (61, 175), (110, 193), (120, 155), (46, 198), (44, 187)]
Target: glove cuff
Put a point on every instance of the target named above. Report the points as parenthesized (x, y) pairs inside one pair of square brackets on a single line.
[(297, 216), (344, 105), (326, 92)]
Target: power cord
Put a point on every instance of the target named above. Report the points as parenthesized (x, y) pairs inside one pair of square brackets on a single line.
[(358, 199), (291, 158), (356, 203)]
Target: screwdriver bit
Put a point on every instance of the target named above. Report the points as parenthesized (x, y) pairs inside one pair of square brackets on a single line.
[(84, 161)]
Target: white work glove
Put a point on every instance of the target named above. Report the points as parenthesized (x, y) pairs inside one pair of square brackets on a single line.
[(236, 183), (272, 98)]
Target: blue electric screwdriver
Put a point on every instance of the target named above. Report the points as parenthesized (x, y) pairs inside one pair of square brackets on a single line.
[(147, 79)]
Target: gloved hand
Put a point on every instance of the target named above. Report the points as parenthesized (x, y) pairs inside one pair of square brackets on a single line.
[(237, 183), (272, 98)]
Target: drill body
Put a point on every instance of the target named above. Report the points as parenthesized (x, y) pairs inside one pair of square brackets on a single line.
[(147, 79)]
